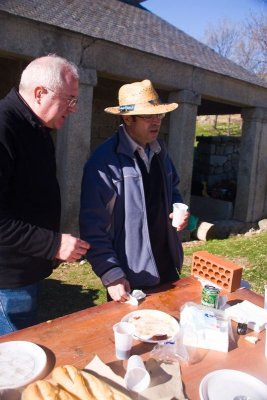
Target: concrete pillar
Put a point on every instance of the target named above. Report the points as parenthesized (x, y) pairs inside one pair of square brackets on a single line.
[(72, 150), (182, 136), (251, 198)]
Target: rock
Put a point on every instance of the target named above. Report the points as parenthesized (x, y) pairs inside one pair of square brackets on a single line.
[(263, 224)]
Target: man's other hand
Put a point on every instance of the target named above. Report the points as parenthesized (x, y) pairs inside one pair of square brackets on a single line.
[(71, 249)]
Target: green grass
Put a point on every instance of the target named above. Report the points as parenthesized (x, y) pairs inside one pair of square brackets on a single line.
[(221, 129), (73, 287), (250, 252)]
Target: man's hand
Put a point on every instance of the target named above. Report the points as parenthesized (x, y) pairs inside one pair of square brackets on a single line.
[(71, 249), (184, 223), (119, 289)]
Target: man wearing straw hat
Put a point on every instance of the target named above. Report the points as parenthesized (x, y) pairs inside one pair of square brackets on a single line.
[(128, 188)]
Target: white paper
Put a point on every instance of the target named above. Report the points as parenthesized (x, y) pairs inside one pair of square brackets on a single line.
[(135, 296), (255, 316)]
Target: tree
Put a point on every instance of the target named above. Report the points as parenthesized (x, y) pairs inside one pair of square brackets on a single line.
[(246, 45), (223, 38)]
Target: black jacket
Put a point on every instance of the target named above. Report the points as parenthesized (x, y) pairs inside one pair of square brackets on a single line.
[(29, 196)]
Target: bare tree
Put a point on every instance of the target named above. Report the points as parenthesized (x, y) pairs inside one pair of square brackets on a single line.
[(256, 32), (246, 45), (223, 37)]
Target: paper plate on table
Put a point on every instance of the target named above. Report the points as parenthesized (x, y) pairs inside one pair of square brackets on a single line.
[(230, 384), (152, 326), (21, 363)]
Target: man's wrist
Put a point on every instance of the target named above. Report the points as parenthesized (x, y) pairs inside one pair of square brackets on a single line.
[(112, 275)]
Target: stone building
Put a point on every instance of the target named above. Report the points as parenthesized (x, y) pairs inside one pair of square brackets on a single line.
[(114, 42)]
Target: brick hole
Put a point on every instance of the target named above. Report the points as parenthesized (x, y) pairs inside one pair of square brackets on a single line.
[(210, 271), (227, 272), (225, 285), (212, 279), (201, 273), (214, 267), (219, 282), (195, 269), (207, 276), (208, 264), (221, 270), (205, 268), (217, 274), (223, 278)]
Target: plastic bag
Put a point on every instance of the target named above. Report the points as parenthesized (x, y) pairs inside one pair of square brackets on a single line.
[(204, 327), (171, 351)]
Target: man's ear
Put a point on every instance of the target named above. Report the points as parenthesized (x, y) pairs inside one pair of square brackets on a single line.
[(38, 93)]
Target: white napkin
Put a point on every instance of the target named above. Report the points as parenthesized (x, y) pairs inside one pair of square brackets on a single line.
[(255, 316), (166, 383), (135, 296)]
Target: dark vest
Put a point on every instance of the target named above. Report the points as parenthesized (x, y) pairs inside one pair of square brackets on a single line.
[(156, 216)]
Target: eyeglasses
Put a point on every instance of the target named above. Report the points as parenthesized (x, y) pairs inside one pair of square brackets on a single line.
[(71, 101), (149, 117)]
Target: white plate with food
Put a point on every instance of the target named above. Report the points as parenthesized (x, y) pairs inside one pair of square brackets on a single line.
[(21, 362), (153, 326), (230, 384)]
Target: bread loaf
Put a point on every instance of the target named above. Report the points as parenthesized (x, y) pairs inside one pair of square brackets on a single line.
[(70, 383), (71, 379), (85, 385), (44, 390)]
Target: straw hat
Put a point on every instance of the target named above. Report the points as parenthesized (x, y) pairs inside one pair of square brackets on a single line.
[(140, 98)]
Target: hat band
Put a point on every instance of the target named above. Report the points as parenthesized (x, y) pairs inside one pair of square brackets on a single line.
[(131, 107)]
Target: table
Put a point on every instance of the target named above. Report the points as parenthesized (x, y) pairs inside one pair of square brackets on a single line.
[(76, 338)]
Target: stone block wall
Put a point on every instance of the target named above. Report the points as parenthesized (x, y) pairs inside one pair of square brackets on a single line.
[(216, 166)]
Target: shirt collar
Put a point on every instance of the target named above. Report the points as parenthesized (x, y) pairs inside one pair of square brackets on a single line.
[(32, 118)]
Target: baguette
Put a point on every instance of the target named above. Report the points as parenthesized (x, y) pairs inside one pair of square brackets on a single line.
[(84, 385), (70, 383), (71, 379), (44, 390), (101, 390)]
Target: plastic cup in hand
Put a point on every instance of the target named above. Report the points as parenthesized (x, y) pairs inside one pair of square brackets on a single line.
[(137, 378), (179, 211), (123, 334)]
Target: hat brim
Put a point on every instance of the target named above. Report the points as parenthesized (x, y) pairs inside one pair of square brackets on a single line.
[(143, 110)]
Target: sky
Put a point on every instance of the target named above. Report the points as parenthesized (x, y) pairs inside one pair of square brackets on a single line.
[(194, 16)]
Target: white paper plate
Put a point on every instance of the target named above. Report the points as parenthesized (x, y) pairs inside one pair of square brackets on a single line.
[(149, 323), (20, 363), (230, 384)]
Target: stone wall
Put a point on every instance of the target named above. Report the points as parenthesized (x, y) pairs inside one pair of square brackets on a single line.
[(216, 166)]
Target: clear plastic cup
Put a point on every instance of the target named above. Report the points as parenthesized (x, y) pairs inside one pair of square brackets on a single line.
[(137, 377), (123, 334), (179, 211)]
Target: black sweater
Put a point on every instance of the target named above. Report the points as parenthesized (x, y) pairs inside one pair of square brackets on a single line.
[(29, 196)]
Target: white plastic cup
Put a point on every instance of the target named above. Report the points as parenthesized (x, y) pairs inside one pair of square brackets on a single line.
[(123, 334), (179, 211), (137, 377)]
